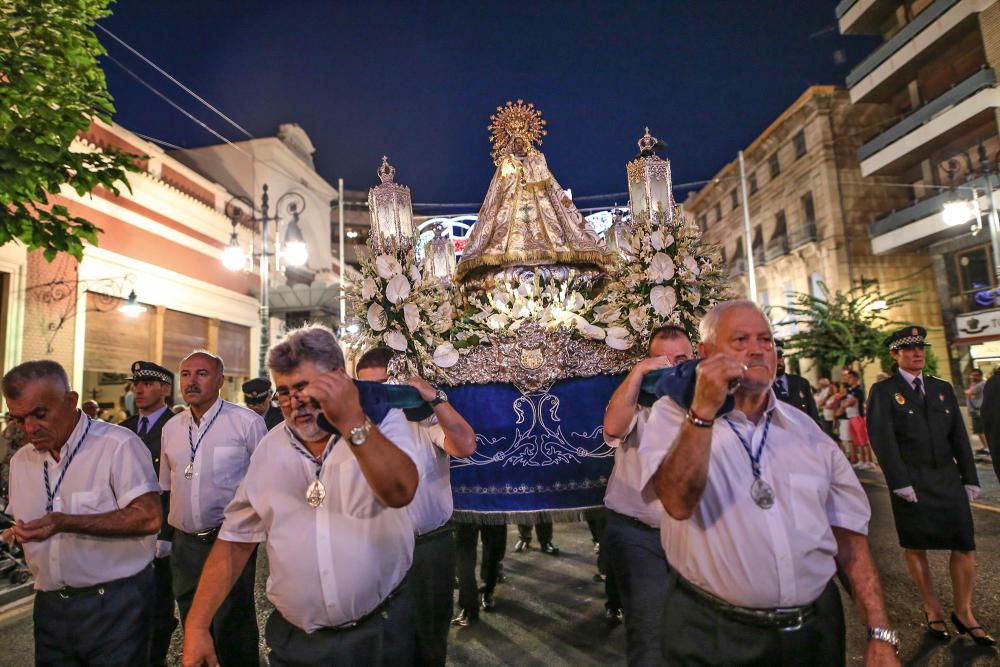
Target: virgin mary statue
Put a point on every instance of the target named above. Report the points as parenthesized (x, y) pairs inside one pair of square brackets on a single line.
[(526, 219)]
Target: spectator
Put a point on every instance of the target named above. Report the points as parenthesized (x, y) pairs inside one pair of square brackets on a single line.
[(974, 400), (826, 390), (854, 410)]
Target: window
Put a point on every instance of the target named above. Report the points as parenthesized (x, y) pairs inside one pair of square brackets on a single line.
[(703, 222), (808, 208), (816, 285), (974, 271), (779, 223), (753, 183), (722, 254), (799, 141), (774, 164), (734, 199), (718, 211)]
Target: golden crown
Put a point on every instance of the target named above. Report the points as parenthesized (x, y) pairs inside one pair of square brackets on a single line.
[(512, 122)]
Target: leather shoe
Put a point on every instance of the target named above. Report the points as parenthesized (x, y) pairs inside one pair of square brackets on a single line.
[(488, 603), (982, 640), (548, 548), (939, 632), (521, 546), (613, 617), (464, 618)]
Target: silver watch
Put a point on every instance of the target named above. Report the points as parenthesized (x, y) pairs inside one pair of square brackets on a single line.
[(885, 635), (359, 434), (439, 398)]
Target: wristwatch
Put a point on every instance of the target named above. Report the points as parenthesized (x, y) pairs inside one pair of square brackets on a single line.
[(359, 434), (439, 398), (885, 635)]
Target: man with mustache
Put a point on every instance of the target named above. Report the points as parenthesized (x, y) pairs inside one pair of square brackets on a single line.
[(631, 540), (331, 509), (87, 509), (793, 389), (761, 509), (204, 455)]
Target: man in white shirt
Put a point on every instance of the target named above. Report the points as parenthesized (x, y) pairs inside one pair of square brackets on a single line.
[(332, 512), (761, 509), (87, 509), (205, 452), (632, 534), (439, 434)]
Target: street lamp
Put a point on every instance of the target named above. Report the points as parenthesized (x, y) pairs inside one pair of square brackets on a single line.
[(132, 307), (984, 171), (956, 212), (241, 209)]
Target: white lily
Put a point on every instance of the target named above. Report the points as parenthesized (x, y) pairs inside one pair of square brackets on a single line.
[(376, 317), (618, 338), (368, 289), (445, 356), (663, 299), (661, 268), (395, 340), (638, 318), (387, 266), (589, 330), (691, 264), (397, 289), (411, 315)]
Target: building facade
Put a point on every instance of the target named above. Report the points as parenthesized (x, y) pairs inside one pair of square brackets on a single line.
[(936, 70), (809, 213)]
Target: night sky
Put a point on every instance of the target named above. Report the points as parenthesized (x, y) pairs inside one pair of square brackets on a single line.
[(418, 81)]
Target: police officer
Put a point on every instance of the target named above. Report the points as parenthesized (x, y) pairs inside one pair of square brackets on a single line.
[(152, 385), (918, 434), (793, 389), (257, 395)]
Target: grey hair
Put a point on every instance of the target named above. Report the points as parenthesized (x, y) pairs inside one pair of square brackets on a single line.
[(220, 368), (14, 381), (710, 322), (313, 342)]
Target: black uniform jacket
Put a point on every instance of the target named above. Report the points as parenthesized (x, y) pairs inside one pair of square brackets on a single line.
[(273, 417), (991, 419), (921, 441), (152, 441), (800, 395)]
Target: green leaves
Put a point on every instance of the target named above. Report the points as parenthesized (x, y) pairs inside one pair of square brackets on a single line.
[(51, 86)]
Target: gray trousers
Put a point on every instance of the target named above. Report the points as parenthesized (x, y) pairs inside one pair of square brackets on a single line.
[(106, 627), (430, 587), (640, 573), (234, 626)]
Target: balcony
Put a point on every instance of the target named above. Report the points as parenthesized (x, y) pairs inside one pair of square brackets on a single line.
[(776, 247), (861, 17), (907, 33), (803, 234), (759, 257), (984, 78), (737, 267)]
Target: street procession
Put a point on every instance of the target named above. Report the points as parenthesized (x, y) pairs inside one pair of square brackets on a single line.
[(479, 335)]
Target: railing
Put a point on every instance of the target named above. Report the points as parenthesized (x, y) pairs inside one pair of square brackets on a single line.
[(759, 257), (776, 247), (984, 78), (844, 7), (906, 33), (803, 234)]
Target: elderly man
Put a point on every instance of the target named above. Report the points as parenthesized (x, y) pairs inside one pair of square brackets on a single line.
[(87, 508), (920, 439), (331, 510), (152, 385), (205, 454), (631, 538), (439, 434), (761, 508), (258, 396)]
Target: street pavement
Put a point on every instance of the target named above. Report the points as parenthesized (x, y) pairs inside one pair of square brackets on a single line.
[(549, 610)]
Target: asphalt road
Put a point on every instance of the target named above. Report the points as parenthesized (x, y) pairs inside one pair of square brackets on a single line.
[(549, 610)]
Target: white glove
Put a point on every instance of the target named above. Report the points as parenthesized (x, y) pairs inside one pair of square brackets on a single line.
[(972, 492), (906, 493), (162, 548)]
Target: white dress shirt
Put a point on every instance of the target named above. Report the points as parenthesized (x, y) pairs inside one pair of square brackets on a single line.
[(197, 504), (331, 564), (746, 555), (625, 493), (111, 468), (432, 504), (910, 377)]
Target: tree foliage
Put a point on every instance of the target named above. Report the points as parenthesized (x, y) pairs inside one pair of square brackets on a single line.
[(839, 328), (51, 86)]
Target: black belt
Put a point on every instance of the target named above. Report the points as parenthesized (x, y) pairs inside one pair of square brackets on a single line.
[(638, 523), (446, 529), (782, 618), (350, 625), (204, 536), (67, 592)]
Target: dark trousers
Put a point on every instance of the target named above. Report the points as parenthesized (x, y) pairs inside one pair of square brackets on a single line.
[(494, 546), (598, 528), (107, 627), (429, 589), (695, 633), (164, 618), (234, 627), (640, 570), (382, 640), (542, 529)]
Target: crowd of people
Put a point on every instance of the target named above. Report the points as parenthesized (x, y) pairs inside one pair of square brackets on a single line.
[(731, 507)]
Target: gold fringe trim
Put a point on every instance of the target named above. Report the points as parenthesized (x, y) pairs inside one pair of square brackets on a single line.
[(595, 257)]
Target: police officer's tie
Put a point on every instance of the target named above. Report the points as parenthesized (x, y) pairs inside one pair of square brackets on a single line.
[(143, 426), (919, 386)]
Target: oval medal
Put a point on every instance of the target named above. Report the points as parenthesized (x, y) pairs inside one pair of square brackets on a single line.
[(900, 399), (762, 494), (315, 494), (189, 470)]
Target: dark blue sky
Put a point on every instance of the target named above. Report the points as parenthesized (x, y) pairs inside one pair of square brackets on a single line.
[(419, 80)]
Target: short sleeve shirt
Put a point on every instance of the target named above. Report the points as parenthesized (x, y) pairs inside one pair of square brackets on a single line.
[(432, 504)]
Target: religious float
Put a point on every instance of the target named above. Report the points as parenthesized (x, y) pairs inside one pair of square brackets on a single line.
[(531, 331)]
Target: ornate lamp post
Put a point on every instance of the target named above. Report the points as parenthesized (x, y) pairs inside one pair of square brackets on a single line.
[(241, 209), (391, 213), (439, 257), (615, 236), (649, 181)]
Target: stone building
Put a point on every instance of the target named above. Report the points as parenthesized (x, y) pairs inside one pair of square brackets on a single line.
[(935, 69), (809, 212)]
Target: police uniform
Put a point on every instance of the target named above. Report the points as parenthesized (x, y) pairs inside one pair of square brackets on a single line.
[(149, 430), (795, 389), (991, 418), (918, 434), (255, 392)]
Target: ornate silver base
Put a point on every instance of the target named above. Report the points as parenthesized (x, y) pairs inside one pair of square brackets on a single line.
[(581, 277)]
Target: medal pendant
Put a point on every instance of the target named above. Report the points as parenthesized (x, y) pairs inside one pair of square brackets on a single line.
[(315, 494), (762, 494), (189, 470)]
